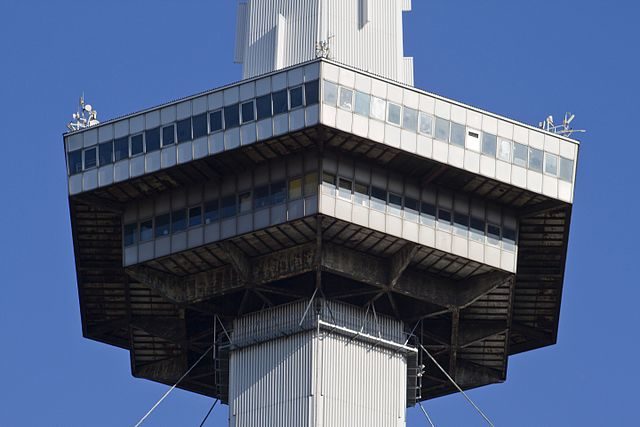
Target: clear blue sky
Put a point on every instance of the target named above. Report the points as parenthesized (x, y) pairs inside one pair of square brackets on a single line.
[(521, 59)]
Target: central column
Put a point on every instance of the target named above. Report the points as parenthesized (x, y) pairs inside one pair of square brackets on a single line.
[(343, 366)]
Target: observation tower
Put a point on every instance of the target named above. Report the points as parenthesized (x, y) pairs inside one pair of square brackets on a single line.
[(321, 243)]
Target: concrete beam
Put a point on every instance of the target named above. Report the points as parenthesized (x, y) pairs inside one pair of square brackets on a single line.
[(166, 371), (474, 288), (476, 331), (172, 329), (400, 261), (469, 374), (238, 260)]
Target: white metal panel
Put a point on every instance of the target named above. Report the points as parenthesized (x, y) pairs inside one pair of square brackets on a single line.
[(241, 31)]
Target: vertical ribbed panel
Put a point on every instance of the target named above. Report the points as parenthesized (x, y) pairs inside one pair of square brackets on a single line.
[(241, 32), (408, 70), (406, 5), (281, 42), (365, 15)]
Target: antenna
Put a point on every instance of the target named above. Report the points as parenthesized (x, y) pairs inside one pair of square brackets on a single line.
[(564, 129), (84, 117)]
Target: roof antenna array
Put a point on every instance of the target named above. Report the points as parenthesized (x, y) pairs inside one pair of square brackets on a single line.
[(85, 117), (563, 129)]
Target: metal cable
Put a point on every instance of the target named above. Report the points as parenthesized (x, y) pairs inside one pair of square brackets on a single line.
[(457, 386), (424, 411), (209, 413), (143, 419)]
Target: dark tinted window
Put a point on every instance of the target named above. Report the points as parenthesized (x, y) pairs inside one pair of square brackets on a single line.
[(395, 200), (75, 162), (461, 220), (121, 148), (411, 204), (184, 130), (280, 102), (489, 144), (248, 113), (263, 107), (168, 135), (509, 234), (200, 126), (231, 116), (211, 212), (295, 97), (261, 198), (228, 206), (215, 121), (178, 220), (152, 140), (90, 158), (312, 92), (428, 209), (137, 144), (105, 153), (130, 234), (163, 225), (493, 231), (195, 216), (477, 225), (278, 192), (146, 230), (444, 216)]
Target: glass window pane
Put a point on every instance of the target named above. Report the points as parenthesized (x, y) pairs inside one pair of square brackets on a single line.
[(146, 230), (130, 234), (378, 199), (232, 116), (330, 93), (178, 220), (411, 209), (200, 127), (361, 194), (442, 129), (163, 225), (551, 164), (280, 102), (168, 135), (295, 188), (520, 155), (244, 200), (195, 216), (426, 124), (489, 144), (460, 224), (106, 153), (458, 133), (504, 150), (90, 158), (152, 140), (295, 97), (493, 234), (535, 159), (248, 112), (509, 239), (362, 104), (121, 148), (444, 219), (312, 92), (261, 196), (328, 183), (346, 99), (395, 204), (394, 114), (278, 192), (566, 169), (215, 121), (310, 184), (211, 212), (477, 229), (137, 145), (410, 119), (378, 108), (427, 214), (184, 130), (75, 162), (229, 206), (345, 187), (263, 107)]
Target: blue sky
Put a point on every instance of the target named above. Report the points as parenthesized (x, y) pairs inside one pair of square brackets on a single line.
[(524, 60)]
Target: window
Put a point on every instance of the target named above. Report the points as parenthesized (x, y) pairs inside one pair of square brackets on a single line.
[(75, 162), (146, 230), (90, 158), (137, 145), (244, 202), (551, 164), (504, 150), (442, 129), (280, 102), (330, 93), (168, 135), (195, 216), (410, 119), (278, 192), (310, 184), (130, 234), (458, 133), (489, 144), (345, 187), (395, 204), (411, 209), (178, 220), (444, 219), (211, 212), (296, 97), (535, 159), (215, 121), (520, 155), (426, 124), (200, 127), (361, 194), (263, 107), (378, 108), (163, 225), (477, 229), (228, 206), (362, 104), (248, 112), (312, 92), (346, 99), (378, 199), (295, 188), (105, 153), (473, 141), (184, 130), (152, 140), (261, 198), (566, 169), (231, 116), (460, 224), (493, 234), (394, 114), (427, 214), (509, 239), (328, 183), (120, 149)]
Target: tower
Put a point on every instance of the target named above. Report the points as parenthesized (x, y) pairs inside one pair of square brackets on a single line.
[(316, 228)]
